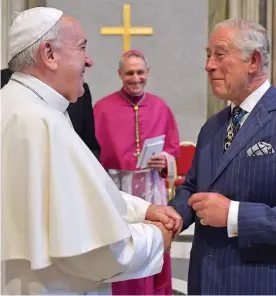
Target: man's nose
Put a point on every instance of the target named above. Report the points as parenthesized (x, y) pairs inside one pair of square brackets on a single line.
[(210, 65), (136, 77), (88, 62)]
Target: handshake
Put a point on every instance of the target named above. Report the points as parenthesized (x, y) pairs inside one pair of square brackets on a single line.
[(167, 220)]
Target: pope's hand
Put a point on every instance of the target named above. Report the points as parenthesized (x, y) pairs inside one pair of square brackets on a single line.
[(166, 215), (167, 235)]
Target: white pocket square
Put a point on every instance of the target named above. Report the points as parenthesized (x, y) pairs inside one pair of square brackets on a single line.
[(261, 148)]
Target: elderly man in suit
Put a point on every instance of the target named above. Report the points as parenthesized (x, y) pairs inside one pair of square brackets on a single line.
[(230, 190), (80, 113)]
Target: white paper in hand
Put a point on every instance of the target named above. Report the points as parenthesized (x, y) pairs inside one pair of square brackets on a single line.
[(152, 147)]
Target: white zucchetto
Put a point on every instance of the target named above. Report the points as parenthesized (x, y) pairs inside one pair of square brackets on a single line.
[(29, 26)]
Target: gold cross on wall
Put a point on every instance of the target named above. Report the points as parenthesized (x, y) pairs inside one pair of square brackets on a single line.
[(126, 30)]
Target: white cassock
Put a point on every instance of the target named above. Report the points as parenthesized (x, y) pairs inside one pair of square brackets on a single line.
[(66, 229)]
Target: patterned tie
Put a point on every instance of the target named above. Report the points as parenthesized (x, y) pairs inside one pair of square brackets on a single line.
[(237, 115)]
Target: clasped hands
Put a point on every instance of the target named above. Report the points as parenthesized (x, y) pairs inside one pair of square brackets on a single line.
[(211, 207), (167, 220)]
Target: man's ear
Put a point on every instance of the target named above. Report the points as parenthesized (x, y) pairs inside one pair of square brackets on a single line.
[(48, 55), (148, 70), (120, 73), (255, 62)]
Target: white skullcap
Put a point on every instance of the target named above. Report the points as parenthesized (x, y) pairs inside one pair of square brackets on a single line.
[(29, 26)]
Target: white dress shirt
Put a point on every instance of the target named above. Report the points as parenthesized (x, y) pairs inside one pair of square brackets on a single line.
[(248, 104)]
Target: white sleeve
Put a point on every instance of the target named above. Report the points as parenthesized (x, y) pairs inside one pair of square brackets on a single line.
[(136, 208), (136, 257), (232, 222)]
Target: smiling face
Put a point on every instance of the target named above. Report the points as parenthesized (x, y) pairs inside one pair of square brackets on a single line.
[(62, 66), (228, 72), (134, 74), (72, 59)]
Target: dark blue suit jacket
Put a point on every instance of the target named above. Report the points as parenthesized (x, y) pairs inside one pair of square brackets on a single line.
[(245, 264)]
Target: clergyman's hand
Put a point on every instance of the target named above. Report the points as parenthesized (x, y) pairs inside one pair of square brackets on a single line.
[(166, 215), (157, 162)]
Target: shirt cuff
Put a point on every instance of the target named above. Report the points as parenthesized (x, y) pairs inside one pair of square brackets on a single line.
[(136, 208), (232, 222)]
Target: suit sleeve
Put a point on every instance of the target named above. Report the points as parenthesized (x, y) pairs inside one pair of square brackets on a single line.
[(256, 223), (183, 193), (88, 128)]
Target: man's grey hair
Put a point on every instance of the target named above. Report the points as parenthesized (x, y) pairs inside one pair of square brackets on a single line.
[(132, 54), (27, 57), (253, 36)]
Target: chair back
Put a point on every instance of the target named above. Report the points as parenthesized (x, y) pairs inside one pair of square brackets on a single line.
[(184, 160)]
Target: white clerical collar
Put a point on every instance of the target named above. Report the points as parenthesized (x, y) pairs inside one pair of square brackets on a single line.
[(251, 101), (49, 95)]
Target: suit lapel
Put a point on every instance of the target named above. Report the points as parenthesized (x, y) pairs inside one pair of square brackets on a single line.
[(257, 119), (217, 143)]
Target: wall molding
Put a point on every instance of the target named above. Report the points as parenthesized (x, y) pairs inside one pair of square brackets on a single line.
[(9, 10), (218, 11), (263, 12)]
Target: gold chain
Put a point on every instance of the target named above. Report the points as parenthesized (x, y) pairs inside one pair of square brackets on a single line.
[(137, 133)]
